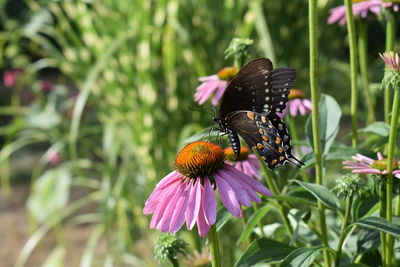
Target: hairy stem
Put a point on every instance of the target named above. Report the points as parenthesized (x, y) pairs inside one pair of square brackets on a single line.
[(390, 39), (214, 247), (345, 223)]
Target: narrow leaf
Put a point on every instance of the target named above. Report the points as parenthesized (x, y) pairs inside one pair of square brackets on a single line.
[(380, 224), (322, 193), (301, 257)]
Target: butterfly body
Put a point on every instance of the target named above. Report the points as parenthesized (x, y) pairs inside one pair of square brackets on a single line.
[(248, 108)]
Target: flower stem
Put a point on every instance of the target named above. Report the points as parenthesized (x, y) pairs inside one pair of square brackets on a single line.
[(390, 39), (313, 29), (174, 261), (363, 52), (346, 219), (390, 166), (353, 70), (214, 247), (382, 213), (296, 143)]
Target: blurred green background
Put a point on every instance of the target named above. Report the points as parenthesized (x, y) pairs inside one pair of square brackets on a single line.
[(100, 106)]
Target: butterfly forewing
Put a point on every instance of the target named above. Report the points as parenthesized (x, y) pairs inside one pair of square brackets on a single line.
[(257, 87)]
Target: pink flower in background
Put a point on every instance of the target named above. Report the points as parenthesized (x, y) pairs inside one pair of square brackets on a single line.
[(187, 194), (53, 156), (297, 105), (366, 165), (47, 86), (360, 8), (392, 60), (214, 84), (10, 77), (245, 162)]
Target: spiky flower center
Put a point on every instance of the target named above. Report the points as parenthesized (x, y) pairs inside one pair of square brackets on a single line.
[(227, 73), (296, 93), (199, 159), (383, 163), (231, 156)]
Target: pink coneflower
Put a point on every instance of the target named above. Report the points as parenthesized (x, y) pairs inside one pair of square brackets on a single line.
[(47, 86), (10, 77), (392, 60), (244, 162), (366, 165), (360, 8), (297, 104), (214, 84), (187, 194)]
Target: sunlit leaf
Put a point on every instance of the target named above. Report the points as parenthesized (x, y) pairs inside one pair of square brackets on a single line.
[(301, 257)]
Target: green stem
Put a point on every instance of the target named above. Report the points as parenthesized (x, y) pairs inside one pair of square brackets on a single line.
[(263, 30), (390, 166), (255, 209), (353, 70), (313, 33), (214, 247), (296, 143), (346, 219), (275, 191), (174, 261), (390, 39), (382, 213), (397, 208), (363, 52)]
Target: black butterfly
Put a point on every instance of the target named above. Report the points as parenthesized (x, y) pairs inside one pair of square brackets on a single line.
[(249, 106)]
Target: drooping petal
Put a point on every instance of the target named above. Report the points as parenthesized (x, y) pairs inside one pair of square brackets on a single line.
[(165, 221), (219, 92), (209, 203), (193, 206), (165, 196), (246, 179), (228, 196), (368, 171), (178, 217), (363, 158), (204, 91), (396, 173), (202, 225)]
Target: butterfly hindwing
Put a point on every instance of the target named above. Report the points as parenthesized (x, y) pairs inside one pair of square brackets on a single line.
[(260, 134)]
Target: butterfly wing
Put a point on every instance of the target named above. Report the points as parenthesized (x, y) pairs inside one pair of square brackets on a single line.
[(258, 87), (259, 133)]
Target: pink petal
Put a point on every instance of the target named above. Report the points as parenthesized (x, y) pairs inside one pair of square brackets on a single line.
[(380, 157), (228, 196), (193, 206), (165, 221), (367, 171), (292, 108), (209, 203), (219, 92), (178, 217), (396, 173), (363, 158), (308, 104), (213, 77), (202, 225), (204, 91), (251, 182)]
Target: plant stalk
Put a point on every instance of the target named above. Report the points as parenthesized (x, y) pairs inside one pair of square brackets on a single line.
[(363, 53), (390, 166), (353, 70), (382, 213), (214, 247), (313, 31), (390, 39), (345, 223)]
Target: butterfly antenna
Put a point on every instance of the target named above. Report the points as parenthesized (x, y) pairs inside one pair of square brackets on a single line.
[(201, 111)]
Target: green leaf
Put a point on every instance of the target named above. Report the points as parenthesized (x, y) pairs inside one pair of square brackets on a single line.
[(297, 196), (301, 257), (50, 193), (263, 250), (223, 217), (252, 222), (322, 193), (380, 224), (56, 258), (379, 127), (329, 117)]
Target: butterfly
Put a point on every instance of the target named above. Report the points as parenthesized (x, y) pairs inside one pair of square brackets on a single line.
[(248, 108)]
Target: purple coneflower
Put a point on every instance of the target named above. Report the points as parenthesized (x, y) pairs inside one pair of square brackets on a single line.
[(391, 79), (360, 8), (246, 162), (10, 77), (214, 84), (297, 104), (366, 165), (187, 194)]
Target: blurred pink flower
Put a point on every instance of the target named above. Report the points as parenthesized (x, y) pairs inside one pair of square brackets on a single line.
[(187, 194), (214, 84), (53, 156), (297, 104), (360, 8), (392, 60), (366, 165), (10, 77), (246, 162), (47, 86)]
